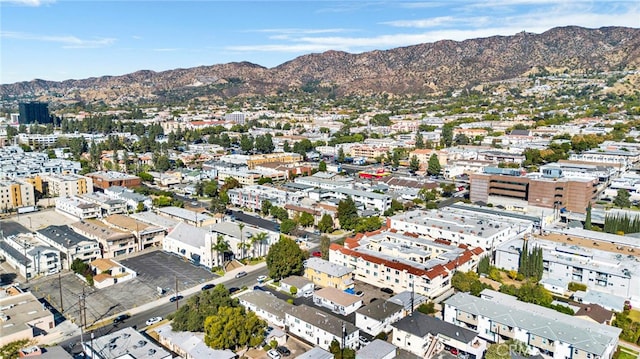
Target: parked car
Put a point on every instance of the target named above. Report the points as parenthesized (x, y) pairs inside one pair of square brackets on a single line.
[(208, 286), (257, 287), (152, 321), (175, 298), (317, 254), (233, 290), (284, 351), (387, 290), (363, 341), (273, 354), (121, 318), (262, 278), (241, 274), (359, 293)]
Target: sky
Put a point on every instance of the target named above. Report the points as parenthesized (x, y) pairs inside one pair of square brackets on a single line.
[(63, 39)]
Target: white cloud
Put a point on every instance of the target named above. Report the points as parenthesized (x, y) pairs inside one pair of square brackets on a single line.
[(423, 23), (67, 41), (32, 3)]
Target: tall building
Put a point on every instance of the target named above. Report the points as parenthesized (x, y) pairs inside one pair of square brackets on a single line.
[(34, 112)]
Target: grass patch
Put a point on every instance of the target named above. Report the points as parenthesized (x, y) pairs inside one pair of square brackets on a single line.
[(628, 350), (625, 355), (634, 315)]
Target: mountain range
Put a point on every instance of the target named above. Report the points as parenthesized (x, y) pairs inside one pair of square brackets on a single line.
[(419, 69)]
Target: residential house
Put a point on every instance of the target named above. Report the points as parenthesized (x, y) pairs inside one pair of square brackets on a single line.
[(338, 301), (425, 336), (326, 274), (377, 317), (266, 306), (320, 328), (109, 272), (304, 287)]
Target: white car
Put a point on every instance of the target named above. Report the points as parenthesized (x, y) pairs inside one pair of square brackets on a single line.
[(154, 320), (262, 278), (273, 354)]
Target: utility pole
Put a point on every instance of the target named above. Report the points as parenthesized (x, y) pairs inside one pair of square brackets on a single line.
[(177, 300), (60, 287), (80, 303), (84, 308)]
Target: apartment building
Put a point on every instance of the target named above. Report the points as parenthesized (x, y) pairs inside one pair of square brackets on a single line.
[(319, 328), (15, 163), (460, 226), (337, 300), (78, 208), (124, 343), (112, 242), (131, 198), (71, 245), (29, 257), (15, 194), (248, 177), (366, 200), (326, 274), (377, 317), (328, 181), (572, 194), (401, 262), (603, 267), (369, 152), (106, 179), (147, 235), (281, 157), (254, 196), (626, 159), (497, 317), (68, 185), (423, 156)]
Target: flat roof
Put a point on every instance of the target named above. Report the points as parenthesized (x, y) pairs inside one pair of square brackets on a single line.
[(125, 343), (266, 302), (337, 296), (324, 266), (21, 309)]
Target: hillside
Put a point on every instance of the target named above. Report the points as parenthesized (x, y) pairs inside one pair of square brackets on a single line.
[(418, 69)]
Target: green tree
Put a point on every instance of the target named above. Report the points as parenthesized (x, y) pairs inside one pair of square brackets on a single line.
[(140, 207), (419, 141), (218, 205), (279, 213), (339, 352), (288, 225), (414, 164), (587, 221), (427, 308), (220, 247), (322, 166), (191, 316), (622, 198), (326, 223), (347, 213), (241, 228), (341, 156), (325, 243), (145, 176), (285, 258), (233, 327), (266, 207), (306, 219), (12, 350), (433, 166)]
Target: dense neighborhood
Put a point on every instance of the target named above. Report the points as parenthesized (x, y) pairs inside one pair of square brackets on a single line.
[(462, 227)]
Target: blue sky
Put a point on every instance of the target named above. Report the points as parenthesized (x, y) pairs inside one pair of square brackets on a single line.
[(59, 40)]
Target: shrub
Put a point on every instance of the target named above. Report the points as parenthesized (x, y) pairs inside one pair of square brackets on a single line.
[(573, 286), (290, 301), (293, 290), (273, 343), (382, 336), (266, 347)]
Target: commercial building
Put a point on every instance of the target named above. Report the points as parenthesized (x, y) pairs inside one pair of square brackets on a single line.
[(572, 194), (193, 244), (320, 328), (124, 343), (34, 112), (497, 317), (71, 245), (22, 316), (461, 226), (106, 179), (402, 262)]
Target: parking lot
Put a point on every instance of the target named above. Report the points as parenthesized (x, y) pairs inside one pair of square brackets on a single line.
[(160, 269), (41, 219), (155, 269)]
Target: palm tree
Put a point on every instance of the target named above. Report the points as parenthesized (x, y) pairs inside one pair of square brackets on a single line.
[(241, 227), (259, 238), (221, 246)]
